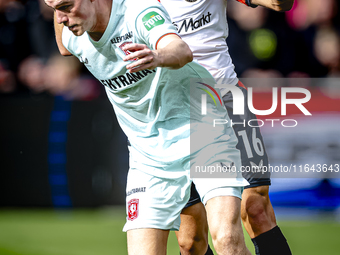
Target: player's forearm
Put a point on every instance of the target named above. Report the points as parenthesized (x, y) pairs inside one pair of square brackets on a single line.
[(276, 5), (171, 52), (58, 28), (175, 55)]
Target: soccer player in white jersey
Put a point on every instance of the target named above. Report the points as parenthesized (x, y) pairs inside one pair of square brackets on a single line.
[(203, 26), (133, 49)]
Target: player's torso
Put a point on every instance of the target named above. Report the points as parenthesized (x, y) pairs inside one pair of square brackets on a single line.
[(104, 59), (203, 25), (152, 106), (192, 16)]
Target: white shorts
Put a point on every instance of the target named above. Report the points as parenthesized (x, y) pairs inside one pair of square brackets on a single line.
[(231, 184), (223, 190), (155, 200)]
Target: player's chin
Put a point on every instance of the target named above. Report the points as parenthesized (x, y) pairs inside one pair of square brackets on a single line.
[(78, 32)]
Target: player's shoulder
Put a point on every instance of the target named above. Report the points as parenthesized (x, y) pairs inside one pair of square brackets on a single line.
[(138, 12), (135, 7)]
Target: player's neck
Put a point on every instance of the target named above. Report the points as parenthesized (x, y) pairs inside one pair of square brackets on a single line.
[(103, 13)]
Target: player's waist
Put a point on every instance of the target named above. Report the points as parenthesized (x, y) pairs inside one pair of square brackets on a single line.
[(221, 68), (204, 42), (159, 151)]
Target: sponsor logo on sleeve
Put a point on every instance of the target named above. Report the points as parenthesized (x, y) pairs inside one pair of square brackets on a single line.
[(152, 19)]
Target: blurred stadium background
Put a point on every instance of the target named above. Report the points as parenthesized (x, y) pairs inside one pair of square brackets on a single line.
[(63, 158)]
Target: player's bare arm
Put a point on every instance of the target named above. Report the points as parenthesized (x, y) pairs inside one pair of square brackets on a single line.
[(58, 28), (172, 52), (276, 5)]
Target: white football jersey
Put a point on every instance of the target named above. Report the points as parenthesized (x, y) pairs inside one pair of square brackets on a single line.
[(153, 107), (202, 24)]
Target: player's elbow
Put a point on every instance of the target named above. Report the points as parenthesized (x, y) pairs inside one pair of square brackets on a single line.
[(282, 5), (64, 52), (185, 58), (189, 57)]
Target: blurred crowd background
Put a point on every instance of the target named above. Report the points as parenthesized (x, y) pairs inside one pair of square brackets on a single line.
[(29, 59), (304, 42)]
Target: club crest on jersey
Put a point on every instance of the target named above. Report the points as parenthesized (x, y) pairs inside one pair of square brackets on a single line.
[(152, 19), (126, 52), (133, 208)]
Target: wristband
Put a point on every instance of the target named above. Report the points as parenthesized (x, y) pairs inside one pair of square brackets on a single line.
[(250, 4), (247, 2)]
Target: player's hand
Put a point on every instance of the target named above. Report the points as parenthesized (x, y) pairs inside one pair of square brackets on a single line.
[(142, 57)]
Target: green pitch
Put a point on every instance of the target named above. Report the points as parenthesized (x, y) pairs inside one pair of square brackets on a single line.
[(99, 232)]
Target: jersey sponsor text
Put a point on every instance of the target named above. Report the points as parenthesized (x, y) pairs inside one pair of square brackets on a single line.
[(121, 38), (135, 190), (190, 23), (125, 80), (152, 19)]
